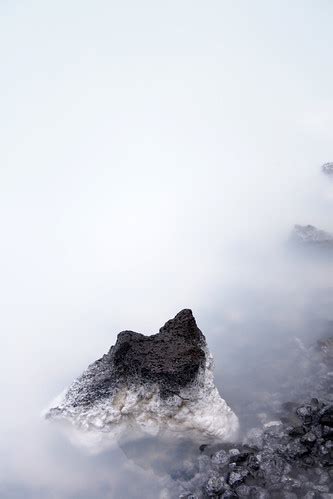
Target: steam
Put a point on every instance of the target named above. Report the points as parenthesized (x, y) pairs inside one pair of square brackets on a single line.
[(154, 158)]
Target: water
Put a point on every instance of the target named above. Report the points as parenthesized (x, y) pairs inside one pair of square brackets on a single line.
[(155, 157), (258, 365)]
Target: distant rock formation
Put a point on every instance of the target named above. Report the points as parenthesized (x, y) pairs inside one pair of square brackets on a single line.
[(327, 168), (308, 235), (157, 384)]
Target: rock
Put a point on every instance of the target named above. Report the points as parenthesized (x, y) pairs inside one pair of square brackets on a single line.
[(321, 488), (326, 416), (311, 236), (243, 491), (156, 384), (327, 432), (297, 449), (220, 458), (273, 467), (309, 439), (317, 430), (327, 168), (215, 486), (294, 461), (253, 463), (305, 413), (296, 431), (237, 477), (240, 458), (323, 477), (259, 493), (254, 438), (314, 402)]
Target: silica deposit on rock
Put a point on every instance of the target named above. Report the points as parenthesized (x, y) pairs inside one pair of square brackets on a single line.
[(159, 384)]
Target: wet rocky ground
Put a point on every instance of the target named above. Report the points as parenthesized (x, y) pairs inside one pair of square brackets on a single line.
[(288, 453)]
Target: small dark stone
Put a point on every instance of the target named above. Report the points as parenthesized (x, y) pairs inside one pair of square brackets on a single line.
[(323, 477), (327, 432), (215, 486), (220, 458), (243, 491), (329, 444), (311, 237), (321, 488), (308, 461), (295, 431), (275, 489), (317, 430), (309, 439), (254, 438), (297, 449), (316, 404), (326, 416), (305, 413), (259, 493), (237, 477), (233, 452), (239, 458), (253, 463)]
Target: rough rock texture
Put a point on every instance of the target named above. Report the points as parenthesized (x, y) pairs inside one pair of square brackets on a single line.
[(172, 358), (152, 383), (327, 168), (311, 236), (290, 456)]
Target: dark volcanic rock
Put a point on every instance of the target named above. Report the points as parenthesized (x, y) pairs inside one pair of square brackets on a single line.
[(326, 416), (215, 486), (152, 383), (171, 358)]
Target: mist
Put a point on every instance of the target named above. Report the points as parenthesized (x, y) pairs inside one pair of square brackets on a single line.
[(153, 157)]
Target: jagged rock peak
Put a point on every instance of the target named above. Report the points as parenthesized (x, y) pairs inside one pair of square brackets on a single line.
[(171, 358), (158, 384)]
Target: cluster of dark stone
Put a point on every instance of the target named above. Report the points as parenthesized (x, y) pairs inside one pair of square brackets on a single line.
[(290, 458)]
